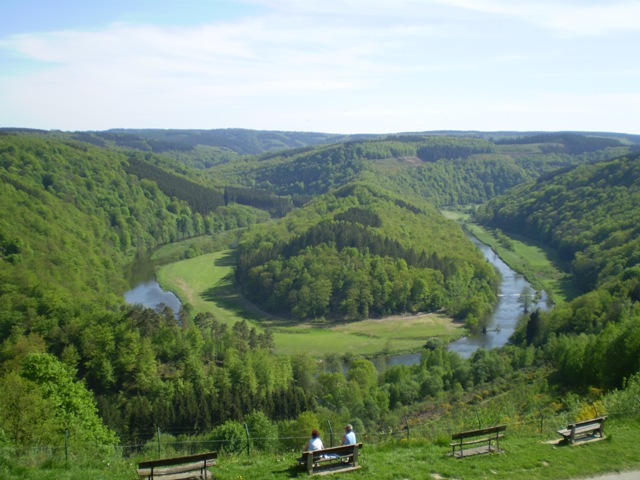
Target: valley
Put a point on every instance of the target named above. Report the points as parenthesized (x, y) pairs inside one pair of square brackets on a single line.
[(295, 267)]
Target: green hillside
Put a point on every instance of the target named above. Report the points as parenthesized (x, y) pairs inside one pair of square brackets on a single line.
[(590, 215), (444, 169), (342, 233)]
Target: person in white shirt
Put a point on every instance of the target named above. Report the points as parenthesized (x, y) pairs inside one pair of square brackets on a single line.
[(349, 437), (314, 443)]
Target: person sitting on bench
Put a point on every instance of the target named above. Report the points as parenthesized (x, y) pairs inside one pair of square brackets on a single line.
[(314, 443), (349, 437)]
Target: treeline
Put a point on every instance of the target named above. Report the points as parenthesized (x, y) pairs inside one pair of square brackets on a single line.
[(201, 199), (145, 371), (362, 259), (238, 140), (437, 148), (563, 142), (314, 171), (446, 169), (130, 141), (590, 215)]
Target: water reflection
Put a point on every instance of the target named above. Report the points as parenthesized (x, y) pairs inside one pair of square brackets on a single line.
[(149, 294)]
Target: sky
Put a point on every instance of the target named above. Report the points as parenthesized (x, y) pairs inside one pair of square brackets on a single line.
[(334, 66)]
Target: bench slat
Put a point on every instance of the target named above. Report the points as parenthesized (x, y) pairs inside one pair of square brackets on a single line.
[(187, 467), (177, 468), (476, 433), (163, 462), (184, 476), (480, 440)]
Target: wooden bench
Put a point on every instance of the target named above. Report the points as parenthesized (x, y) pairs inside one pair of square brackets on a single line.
[(190, 466), (483, 438), (586, 430), (331, 460)]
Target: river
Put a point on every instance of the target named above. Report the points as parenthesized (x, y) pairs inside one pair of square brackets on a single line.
[(507, 312), (501, 324), (145, 290)]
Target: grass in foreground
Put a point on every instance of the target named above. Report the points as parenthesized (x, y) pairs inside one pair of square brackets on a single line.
[(526, 455)]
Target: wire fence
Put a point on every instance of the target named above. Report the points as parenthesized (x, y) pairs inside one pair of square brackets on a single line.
[(438, 431)]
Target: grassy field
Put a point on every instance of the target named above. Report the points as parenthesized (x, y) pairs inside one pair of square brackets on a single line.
[(526, 455), (206, 283)]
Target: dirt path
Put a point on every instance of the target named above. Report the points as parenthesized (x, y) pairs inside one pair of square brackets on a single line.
[(632, 475)]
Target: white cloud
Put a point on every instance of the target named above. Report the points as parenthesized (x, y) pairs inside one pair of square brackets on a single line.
[(328, 64)]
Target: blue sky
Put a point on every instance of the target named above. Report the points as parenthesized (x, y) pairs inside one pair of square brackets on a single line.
[(348, 66)]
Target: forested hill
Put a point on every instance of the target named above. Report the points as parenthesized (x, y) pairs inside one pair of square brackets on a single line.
[(591, 216), (71, 217), (358, 252), (445, 169), (205, 148)]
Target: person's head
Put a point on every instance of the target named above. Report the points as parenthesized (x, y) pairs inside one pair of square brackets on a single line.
[(348, 428), (315, 433)]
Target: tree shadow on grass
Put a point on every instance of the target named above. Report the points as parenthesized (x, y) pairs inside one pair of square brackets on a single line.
[(227, 260), (226, 296), (290, 472)]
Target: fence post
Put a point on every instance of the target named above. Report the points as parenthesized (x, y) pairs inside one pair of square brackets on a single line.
[(479, 421), (158, 441), (330, 433), (541, 419), (406, 420), (66, 445), (246, 428)]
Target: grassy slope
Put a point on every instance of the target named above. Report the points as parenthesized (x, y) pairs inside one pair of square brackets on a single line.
[(526, 455), (206, 282)]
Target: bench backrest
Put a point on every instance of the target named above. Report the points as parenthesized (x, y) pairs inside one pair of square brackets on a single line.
[(165, 462), (583, 423), (476, 433), (341, 450)]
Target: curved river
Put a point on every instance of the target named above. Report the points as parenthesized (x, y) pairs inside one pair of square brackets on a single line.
[(501, 325), (508, 310)]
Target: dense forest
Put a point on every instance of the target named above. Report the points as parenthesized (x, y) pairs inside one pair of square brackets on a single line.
[(336, 228), (360, 252)]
